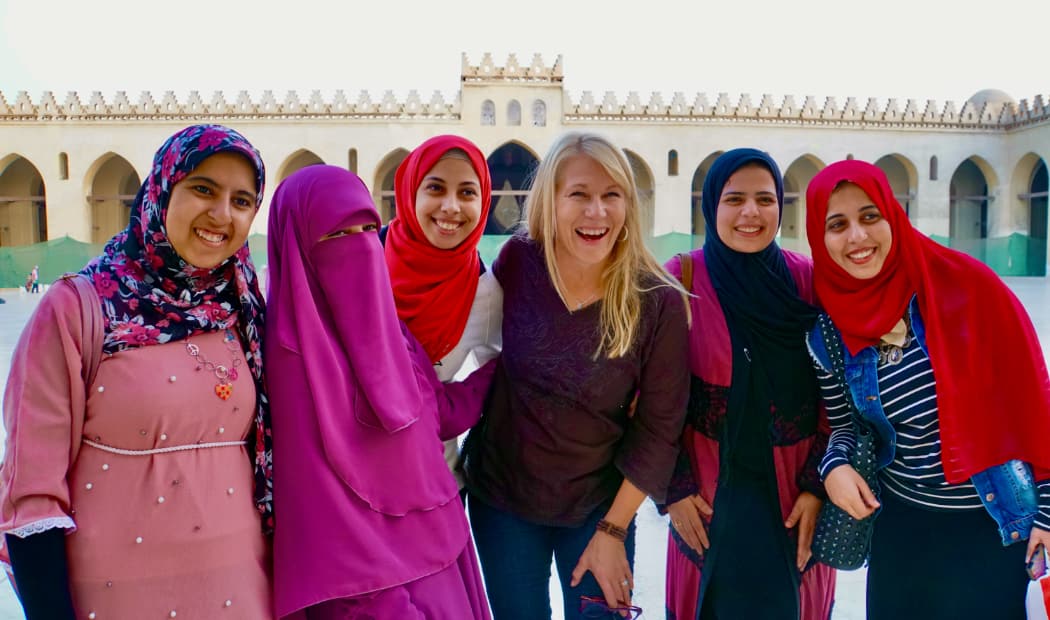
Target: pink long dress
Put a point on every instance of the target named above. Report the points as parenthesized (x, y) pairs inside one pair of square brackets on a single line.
[(163, 535)]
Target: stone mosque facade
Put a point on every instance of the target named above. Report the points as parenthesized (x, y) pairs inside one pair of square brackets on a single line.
[(972, 174)]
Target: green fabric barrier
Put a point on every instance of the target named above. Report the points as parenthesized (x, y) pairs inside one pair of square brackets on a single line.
[(55, 258), (1013, 255)]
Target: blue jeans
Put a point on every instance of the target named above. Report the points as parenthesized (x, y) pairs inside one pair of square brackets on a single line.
[(516, 562)]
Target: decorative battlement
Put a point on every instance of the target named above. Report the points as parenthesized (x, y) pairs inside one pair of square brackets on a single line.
[(488, 72), (987, 115), (218, 107), (989, 110)]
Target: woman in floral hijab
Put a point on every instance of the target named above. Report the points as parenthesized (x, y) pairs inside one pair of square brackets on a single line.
[(136, 481)]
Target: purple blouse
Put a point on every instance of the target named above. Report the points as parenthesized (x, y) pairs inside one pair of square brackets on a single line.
[(556, 440)]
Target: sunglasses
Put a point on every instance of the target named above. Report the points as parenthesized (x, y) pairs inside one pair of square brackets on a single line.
[(595, 607)]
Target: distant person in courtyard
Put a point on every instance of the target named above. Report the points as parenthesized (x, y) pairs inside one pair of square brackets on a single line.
[(370, 524), (451, 303), (34, 277), (944, 367), (136, 475), (746, 493), (561, 462)]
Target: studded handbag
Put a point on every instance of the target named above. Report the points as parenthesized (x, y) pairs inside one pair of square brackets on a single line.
[(840, 541)]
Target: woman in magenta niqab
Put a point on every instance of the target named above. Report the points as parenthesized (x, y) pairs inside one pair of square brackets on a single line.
[(367, 526)]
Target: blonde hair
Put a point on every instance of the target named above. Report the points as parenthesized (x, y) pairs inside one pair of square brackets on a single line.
[(624, 277)]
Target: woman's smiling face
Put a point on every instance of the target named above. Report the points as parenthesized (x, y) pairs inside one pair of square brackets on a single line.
[(448, 202), (858, 238), (211, 210), (589, 211), (748, 215)]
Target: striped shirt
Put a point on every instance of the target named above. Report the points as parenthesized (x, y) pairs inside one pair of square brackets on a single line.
[(909, 400)]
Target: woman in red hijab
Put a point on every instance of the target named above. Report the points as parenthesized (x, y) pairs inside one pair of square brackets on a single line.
[(941, 362), (450, 303)]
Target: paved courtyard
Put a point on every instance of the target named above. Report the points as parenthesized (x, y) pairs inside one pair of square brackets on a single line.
[(652, 528)]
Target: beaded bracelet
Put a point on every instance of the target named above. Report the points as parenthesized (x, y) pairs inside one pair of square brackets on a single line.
[(613, 530)]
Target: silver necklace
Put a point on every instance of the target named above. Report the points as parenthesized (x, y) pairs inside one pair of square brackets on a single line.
[(580, 305), (225, 374), (892, 354)]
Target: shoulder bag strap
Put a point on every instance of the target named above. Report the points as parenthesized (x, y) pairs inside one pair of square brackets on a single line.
[(91, 324), (685, 259)]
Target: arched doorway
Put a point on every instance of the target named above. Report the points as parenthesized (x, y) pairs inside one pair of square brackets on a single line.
[(643, 178), (297, 161), (23, 206), (113, 189), (696, 195), (383, 186), (901, 174), (511, 167), (1038, 192), (793, 220), (968, 210)]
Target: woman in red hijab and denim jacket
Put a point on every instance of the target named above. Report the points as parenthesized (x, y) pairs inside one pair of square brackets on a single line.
[(943, 365)]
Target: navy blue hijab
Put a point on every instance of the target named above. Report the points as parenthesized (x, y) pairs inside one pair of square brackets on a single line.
[(765, 316)]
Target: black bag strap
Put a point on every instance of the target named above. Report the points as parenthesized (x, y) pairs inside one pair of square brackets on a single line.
[(833, 346)]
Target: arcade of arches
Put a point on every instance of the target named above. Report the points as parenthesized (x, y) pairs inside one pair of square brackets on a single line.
[(973, 176), (113, 182)]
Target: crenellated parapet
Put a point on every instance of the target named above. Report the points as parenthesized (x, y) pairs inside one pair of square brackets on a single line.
[(218, 106), (811, 111), (988, 110), (488, 72)]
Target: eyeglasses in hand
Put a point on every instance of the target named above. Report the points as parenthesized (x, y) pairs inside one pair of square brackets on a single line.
[(595, 607)]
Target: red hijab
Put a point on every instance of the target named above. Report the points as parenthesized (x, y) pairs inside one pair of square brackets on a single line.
[(993, 393), (434, 288)]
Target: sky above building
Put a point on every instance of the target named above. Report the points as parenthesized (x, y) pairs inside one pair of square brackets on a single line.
[(918, 49)]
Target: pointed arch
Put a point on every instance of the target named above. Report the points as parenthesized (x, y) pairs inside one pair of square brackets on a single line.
[(643, 178), (511, 166), (23, 202), (969, 205), (793, 221), (297, 161), (111, 185), (696, 195), (383, 183), (1029, 210), (903, 177)]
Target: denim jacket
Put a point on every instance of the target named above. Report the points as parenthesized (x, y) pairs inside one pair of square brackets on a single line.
[(1008, 491)]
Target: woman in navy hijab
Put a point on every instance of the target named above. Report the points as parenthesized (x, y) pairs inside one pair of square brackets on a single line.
[(746, 493)]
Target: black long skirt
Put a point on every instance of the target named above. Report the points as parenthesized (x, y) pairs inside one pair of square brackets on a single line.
[(752, 575), (948, 565)]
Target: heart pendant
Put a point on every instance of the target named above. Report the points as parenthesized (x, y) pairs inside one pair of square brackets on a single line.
[(224, 390)]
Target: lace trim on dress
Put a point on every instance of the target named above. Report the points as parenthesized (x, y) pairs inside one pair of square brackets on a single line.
[(43, 525)]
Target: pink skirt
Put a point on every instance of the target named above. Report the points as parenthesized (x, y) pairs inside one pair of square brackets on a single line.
[(455, 592)]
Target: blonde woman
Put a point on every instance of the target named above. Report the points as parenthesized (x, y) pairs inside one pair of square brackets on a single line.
[(560, 463)]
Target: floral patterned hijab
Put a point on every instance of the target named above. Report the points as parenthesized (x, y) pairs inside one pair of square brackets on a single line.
[(151, 296)]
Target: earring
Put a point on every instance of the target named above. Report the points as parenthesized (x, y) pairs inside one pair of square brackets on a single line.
[(626, 233)]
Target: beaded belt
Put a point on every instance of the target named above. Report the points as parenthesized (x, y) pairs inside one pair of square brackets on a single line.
[(192, 446)]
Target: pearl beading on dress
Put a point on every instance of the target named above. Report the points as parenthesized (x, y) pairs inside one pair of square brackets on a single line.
[(192, 446)]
